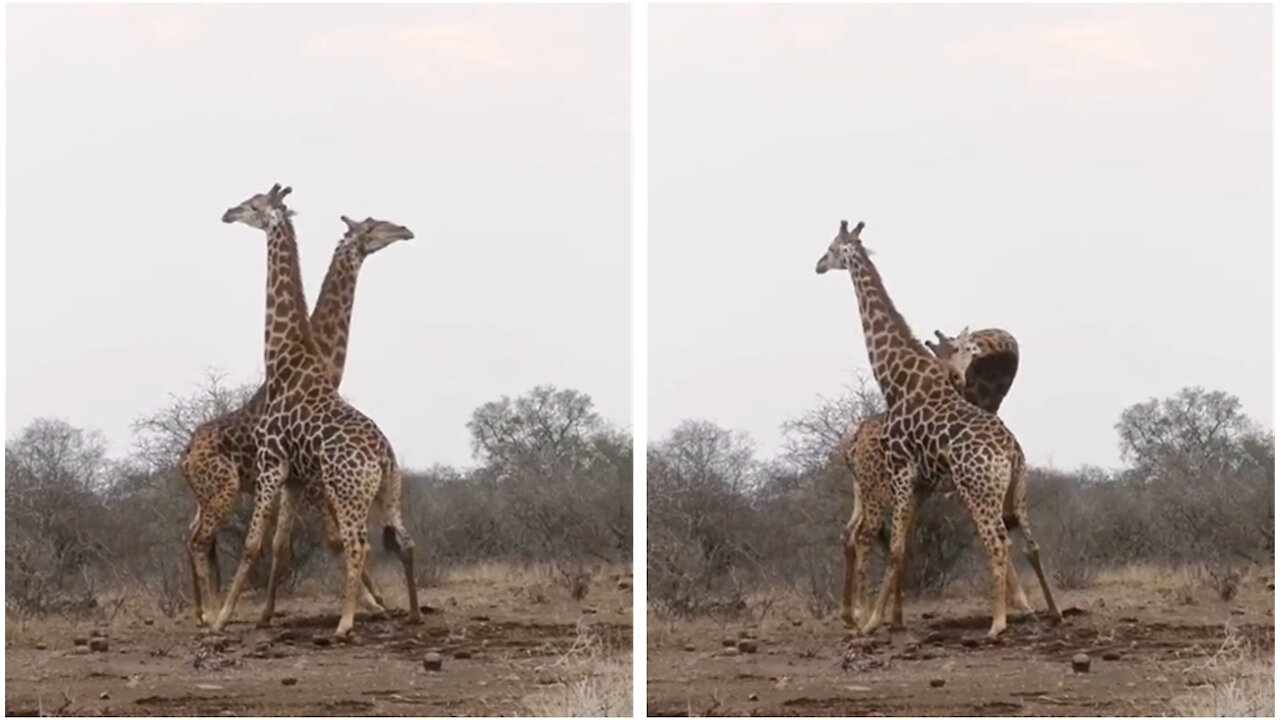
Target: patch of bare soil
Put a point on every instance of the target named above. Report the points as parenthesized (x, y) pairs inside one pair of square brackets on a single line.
[(1145, 647), (498, 649)]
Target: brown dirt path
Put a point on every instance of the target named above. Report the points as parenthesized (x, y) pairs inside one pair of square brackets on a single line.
[(168, 667), (1145, 648)]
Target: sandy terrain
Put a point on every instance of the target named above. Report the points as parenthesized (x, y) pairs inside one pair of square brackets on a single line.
[(1150, 639), (506, 642)]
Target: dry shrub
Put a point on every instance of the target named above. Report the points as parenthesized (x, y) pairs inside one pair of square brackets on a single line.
[(553, 486), (1199, 490), (591, 682), (1241, 682)]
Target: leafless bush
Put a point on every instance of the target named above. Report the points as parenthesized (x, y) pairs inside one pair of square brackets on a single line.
[(1199, 490), (554, 485)]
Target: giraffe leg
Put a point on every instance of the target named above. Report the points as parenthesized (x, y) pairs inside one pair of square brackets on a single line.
[(899, 580), (1033, 557), (1016, 594), (863, 539), (211, 511), (995, 539), (271, 480), (396, 537), (352, 513), (1020, 516), (903, 506), (847, 613), (279, 551), (369, 596)]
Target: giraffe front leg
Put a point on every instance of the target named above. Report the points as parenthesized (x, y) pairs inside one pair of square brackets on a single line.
[(270, 483), (280, 546)]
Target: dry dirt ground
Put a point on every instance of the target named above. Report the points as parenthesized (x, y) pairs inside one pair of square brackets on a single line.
[(506, 642), (1150, 637)]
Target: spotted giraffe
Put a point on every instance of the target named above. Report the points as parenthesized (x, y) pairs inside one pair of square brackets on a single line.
[(984, 374), (218, 460), (931, 434), (306, 433)]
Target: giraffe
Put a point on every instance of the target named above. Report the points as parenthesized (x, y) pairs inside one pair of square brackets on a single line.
[(218, 460), (931, 435), (983, 372), (307, 434)]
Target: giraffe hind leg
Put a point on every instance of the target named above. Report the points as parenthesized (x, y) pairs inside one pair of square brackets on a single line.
[(271, 479), (280, 547), (211, 511), (396, 537)]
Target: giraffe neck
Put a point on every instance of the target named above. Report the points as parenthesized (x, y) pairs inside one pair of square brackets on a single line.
[(289, 344), (900, 363), (331, 319)]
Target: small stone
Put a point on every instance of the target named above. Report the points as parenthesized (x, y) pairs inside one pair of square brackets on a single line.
[(730, 652), (690, 647), (104, 695), (589, 611), (432, 662), (928, 615), (480, 618), (1080, 663), (1237, 611), (1110, 655), (286, 636), (80, 650), (937, 682), (322, 641), (1271, 586), (462, 654), (753, 697), (289, 681), (624, 585), (98, 645), (970, 642), (797, 623), (729, 642), (97, 632), (748, 645), (80, 641), (149, 621), (927, 656), (744, 633), (42, 646)]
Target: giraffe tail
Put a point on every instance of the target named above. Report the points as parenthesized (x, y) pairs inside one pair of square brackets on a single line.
[(395, 538)]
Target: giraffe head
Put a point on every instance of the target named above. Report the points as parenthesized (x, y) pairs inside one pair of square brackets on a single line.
[(259, 210), (839, 255), (370, 235), (956, 353)]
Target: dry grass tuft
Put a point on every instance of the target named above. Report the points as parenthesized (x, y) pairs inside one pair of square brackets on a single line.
[(1241, 682), (590, 682)]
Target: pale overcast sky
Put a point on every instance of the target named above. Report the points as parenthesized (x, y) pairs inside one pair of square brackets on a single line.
[(1095, 179), (498, 134)]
